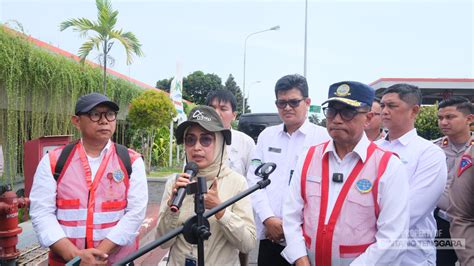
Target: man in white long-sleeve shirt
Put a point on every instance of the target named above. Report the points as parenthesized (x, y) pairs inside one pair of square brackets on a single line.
[(94, 207), (425, 165), (281, 144), (348, 200)]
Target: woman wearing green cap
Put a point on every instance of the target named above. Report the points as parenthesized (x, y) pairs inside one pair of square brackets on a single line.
[(232, 229)]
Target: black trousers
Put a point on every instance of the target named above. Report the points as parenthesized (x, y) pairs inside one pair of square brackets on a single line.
[(444, 257), (269, 254)]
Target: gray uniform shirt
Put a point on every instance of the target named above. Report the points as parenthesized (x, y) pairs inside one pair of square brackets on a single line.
[(452, 154)]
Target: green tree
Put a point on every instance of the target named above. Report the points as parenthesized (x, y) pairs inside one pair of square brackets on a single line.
[(197, 85), (104, 34), (231, 85), (313, 118), (164, 84), (426, 123), (150, 112)]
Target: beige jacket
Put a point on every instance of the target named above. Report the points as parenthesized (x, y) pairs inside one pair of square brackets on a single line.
[(234, 232)]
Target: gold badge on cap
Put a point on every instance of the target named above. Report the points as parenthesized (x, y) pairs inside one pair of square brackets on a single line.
[(343, 90)]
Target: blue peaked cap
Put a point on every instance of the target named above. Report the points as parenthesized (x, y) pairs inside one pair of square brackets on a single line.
[(352, 93)]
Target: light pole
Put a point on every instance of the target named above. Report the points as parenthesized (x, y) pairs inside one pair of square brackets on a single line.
[(245, 59), (305, 35)]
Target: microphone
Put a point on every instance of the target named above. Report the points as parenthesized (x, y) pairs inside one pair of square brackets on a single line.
[(192, 169)]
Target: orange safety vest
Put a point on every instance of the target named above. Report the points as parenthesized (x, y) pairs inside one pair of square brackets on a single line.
[(352, 224), (88, 210)]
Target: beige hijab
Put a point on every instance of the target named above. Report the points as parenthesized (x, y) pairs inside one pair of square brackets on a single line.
[(218, 165)]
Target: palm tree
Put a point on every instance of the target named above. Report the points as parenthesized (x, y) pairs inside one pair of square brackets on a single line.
[(104, 35)]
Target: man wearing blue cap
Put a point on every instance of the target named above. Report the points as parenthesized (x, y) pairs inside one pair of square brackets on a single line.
[(89, 198), (348, 201)]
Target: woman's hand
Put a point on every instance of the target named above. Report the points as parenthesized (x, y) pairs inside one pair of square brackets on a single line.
[(211, 199), (181, 181)]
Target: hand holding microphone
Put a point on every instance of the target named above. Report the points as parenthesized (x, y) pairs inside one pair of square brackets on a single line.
[(191, 169)]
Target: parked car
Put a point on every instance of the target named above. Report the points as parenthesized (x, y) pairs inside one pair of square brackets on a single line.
[(253, 124)]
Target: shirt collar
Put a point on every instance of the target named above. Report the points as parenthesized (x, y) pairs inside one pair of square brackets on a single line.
[(105, 149), (404, 139), (304, 128), (360, 149)]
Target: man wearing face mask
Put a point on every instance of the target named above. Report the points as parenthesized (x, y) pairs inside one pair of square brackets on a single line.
[(348, 202), (281, 144)]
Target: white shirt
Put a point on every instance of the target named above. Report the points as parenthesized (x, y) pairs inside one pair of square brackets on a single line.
[(425, 165), (277, 146), (239, 152), (392, 197), (43, 203)]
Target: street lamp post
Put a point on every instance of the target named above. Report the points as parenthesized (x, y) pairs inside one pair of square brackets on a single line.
[(245, 59)]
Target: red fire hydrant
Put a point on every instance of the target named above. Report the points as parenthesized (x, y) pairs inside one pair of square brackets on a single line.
[(9, 230)]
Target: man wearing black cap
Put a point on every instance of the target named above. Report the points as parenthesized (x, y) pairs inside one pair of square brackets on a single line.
[(93, 206), (348, 201)]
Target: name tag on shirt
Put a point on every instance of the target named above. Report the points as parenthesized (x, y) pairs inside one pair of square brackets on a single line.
[(275, 150)]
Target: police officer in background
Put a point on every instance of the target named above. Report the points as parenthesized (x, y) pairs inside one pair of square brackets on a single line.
[(454, 119), (348, 200), (281, 144), (461, 207), (425, 165)]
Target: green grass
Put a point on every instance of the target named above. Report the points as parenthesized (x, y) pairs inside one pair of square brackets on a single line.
[(165, 171)]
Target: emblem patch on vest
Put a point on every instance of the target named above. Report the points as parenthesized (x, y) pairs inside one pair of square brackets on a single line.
[(118, 176), (364, 185)]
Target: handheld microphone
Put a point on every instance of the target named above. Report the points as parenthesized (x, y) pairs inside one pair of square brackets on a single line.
[(192, 169)]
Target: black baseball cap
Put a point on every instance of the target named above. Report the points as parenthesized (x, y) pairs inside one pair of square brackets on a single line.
[(207, 118), (87, 102), (352, 93)]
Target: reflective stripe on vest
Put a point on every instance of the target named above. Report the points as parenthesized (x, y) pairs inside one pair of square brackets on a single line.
[(321, 250), (81, 215)]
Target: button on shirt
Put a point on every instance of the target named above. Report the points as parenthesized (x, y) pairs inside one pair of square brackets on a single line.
[(392, 197), (240, 151), (277, 146), (425, 165), (43, 203)]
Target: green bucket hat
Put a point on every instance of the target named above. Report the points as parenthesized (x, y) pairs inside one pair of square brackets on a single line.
[(207, 118)]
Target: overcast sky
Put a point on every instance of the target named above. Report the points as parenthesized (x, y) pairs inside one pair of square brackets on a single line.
[(347, 40)]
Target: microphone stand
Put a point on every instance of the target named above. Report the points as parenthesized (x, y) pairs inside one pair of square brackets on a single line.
[(196, 228)]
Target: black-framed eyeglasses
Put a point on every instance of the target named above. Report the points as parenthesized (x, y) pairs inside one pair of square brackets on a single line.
[(293, 103), (96, 116), (204, 140), (347, 114)]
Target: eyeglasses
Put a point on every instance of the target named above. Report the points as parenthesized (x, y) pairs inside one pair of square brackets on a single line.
[(347, 114), (293, 103), (96, 116), (204, 140)]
